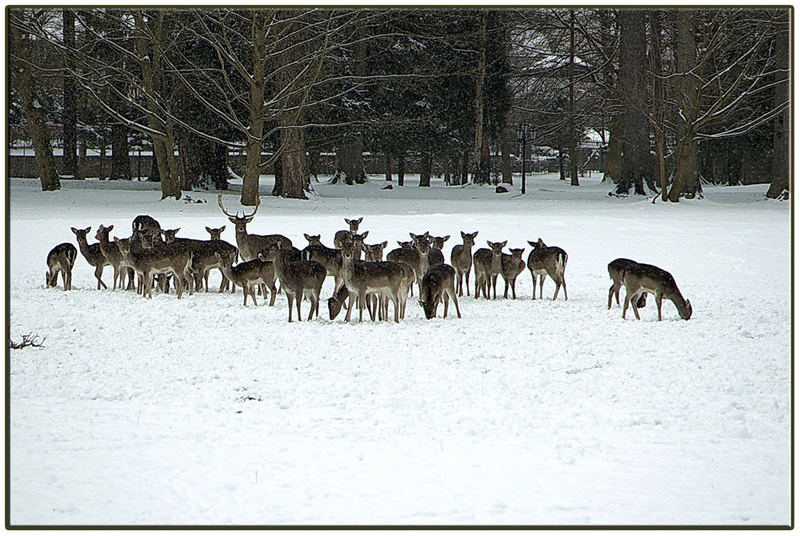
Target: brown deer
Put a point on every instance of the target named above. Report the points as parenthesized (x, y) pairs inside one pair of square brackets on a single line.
[(146, 224), (546, 260), (411, 257), (298, 278), (639, 278), (203, 260), (92, 253), (248, 275), (362, 277), (488, 264), (438, 282), (374, 252), (512, 265), (406, 244), (112, 255), (215, 234), (251, 244), (461, 259), (61, 259), (149, 259), (435, 255), (615, 271), (341, 236)]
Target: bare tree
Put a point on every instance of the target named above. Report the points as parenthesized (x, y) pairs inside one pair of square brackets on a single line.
[(781, 135)]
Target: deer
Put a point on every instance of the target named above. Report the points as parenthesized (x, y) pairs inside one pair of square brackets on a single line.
[(204, 259), (547, 260), (435, 255), (92, 253), (341, 236), (411, 257), (639, 278), (615, 271), (384, 277), (512, 266), (406, 244), (438, 282), (298, 278), (112, 254), (461, 260), (251, 244), (60, 260), (488, 264), (146, 224), (248, 275), (149, 259)]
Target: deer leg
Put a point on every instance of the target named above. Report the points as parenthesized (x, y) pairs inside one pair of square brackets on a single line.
[(98, 273), (455, 301), (314, 301), (633, 301), (558, 286), (467, 277), (541, 287), (611, 293), (505, 294), (533, 276), (446, 303), (627, 301), (362, 298), (658, 305), (298, 298)]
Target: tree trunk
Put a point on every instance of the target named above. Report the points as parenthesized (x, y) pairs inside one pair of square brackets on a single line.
[(781, 137), (27, 85), (686, 183), (561, 172), (293, 164), (350, 161), (613, 161), (658, 100), (70, 158), (401, 170), (120, 161), (427, 165), (252, 166), (506, 148), (573, 135), (480, 165), (387, 166), (636, 163)]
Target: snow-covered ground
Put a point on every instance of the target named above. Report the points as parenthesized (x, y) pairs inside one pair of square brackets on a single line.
[(203, 411)]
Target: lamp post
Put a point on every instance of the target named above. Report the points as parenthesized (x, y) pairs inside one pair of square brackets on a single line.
[(522, 137)]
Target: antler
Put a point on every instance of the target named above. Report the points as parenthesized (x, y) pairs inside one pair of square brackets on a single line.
[(228, 214)]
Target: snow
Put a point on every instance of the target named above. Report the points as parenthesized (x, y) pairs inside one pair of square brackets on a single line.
[(203, 411)]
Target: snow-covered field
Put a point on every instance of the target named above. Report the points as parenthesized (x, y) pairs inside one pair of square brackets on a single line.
[(203, 411)]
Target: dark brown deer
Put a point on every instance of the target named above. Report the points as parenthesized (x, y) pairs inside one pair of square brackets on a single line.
[(150, 259), (361, 278), (435, 255), (488, 264), (639, 278), (203, 260), (298, 278), (461, 259), (251, 244), (437, 283), (341, 236), (60, 260), (547, 260), (112, 255), (615, 271), (513, 265), (92, 253)]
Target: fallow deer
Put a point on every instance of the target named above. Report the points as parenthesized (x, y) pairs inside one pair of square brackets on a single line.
[(203, 260), (251, 244), (547, 260), (639, 278), (61, 259), (513, 265), (461, 259), (362, 277), (92, 253), (615, 271), (149, 259), (298, 278), (435, 255), (248, 275), (437, 283), (488, 264), (112, 255), (341, 236)]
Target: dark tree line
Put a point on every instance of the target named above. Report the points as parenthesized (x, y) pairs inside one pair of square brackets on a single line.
[(678, 95)]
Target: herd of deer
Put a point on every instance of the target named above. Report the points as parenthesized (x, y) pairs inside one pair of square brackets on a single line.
[(154, 254)]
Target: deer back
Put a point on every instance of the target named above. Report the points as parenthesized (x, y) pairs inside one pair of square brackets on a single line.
[(434, 283), (658, 282)]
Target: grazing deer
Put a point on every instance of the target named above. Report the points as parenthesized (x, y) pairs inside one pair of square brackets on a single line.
[(639, 278), (362, 277), (112, 254), (251, 244), (461, 259), (513, 265), (61, 259), (298, 278), (341, 236), (149, 259), (615, 271), (438, 282), (248, 275), (546, 260), (488, 264), (92, 254)]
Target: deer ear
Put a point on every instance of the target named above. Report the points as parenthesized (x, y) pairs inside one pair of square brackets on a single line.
[(359, 220), (208, 229), (307, 237), (221, 229), (384, 244), (364, 235), (88, 229), (504, 243), (488, 243), (463, 235), (531, 243), (446, 238), (74, 230), (109, 228)]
